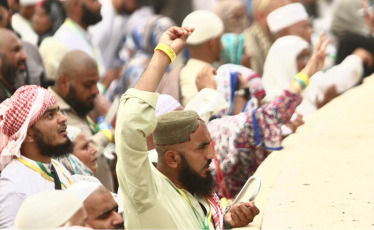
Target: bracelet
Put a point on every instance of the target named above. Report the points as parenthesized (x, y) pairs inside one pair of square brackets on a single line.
[(167, 50), (301, 82), (108, 134), (303, 79)]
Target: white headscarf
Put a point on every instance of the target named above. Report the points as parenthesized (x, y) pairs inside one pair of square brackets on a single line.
[(17, 114), (165, 104), (46, 210), (346, 18), (281, 64)]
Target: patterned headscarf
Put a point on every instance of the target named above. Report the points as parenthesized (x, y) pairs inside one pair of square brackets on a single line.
[(17, 114), (227, 82)]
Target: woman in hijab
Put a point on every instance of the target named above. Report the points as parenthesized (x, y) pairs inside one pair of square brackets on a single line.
[(49, 16), (243, 141), (235, 19), (289, 54), (351, 24), (82, 161)]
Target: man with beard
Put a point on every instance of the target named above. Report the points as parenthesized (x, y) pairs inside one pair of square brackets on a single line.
[(76, 89), (33, 131), (178, 193), (34, 73), (74, 35), (113, 28), (13, 63)]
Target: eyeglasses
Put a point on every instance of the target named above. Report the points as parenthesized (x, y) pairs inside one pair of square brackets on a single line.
[(364, 12)]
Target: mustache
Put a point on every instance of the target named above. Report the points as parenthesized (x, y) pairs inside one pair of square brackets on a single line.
[(62, 128), (208, 163), (120, 226)]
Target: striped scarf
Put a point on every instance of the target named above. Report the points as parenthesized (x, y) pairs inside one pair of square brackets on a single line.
[(216, 210)]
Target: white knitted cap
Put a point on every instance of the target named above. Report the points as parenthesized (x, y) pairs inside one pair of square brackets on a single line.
[(286, 16), (28, 2), (46, 210), (83, 189), (207, 26)]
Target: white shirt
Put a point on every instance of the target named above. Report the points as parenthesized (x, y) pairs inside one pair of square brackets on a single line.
[(110, 28), (18, 181), (76, 38), (23, 26), (187, 79)]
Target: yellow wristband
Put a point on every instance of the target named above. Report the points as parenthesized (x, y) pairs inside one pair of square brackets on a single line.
[(302, 77), (108, 134), (167, 50)]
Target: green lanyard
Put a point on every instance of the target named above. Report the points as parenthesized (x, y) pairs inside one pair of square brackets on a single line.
[(46, 171), (207, 218), (5, 89), (93, 126)]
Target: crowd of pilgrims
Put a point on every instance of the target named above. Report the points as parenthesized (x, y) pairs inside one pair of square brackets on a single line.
[(234, 72)]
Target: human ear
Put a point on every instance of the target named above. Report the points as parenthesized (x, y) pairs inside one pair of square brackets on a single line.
[(29, 135), (172, 158)]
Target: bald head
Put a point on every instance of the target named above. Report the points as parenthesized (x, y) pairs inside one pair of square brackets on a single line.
[(73, 62), (76, 81), (6, 37)]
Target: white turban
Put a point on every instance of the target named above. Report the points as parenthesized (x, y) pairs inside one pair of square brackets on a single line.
[(207, 26), (83, 189), (46, 210), (17, 114), (286, 16)]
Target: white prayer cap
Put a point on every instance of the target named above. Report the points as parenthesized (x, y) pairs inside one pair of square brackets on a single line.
[(46, 210), (83, 189), (166, 104), (207, 26), (286, 16), (28, 2)]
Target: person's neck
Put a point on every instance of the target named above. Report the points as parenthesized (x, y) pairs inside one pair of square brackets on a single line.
[(6, 83), (33, 154), (202, 57), (173, 178), (41, 158), (76, 19)]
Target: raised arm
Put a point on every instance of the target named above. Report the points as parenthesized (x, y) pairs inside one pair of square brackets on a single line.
[(175, 38), (314, 65)]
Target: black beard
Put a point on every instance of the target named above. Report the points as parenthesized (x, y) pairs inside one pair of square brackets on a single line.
[(53, 151), (81, 108), (194, 182), (90, 18), (9, 72)]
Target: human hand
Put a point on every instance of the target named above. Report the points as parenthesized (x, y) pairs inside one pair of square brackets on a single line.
[(329, 94), (206, 78), (176, 37), (366, 56), (295, 123), (241, 214), (317, 59), (242, 81)]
